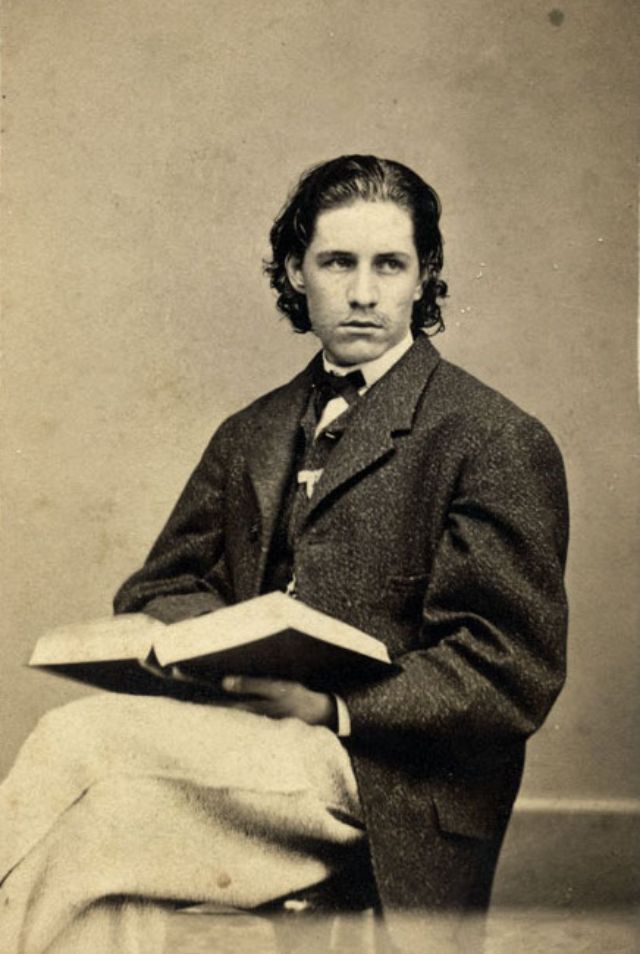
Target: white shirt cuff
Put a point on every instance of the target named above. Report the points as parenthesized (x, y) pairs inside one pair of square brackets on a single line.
[(344, 719)]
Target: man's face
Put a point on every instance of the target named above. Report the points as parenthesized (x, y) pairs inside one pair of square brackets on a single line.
[(360, 276)]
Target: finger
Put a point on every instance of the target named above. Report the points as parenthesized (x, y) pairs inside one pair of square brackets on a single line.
[(178, 675), (255, 686), (256, 707), (154, 668)]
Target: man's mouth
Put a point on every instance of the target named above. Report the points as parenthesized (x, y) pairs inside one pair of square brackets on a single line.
[(361, 325)]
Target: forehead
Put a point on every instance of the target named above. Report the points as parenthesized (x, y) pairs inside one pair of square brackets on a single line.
[(364, 226)]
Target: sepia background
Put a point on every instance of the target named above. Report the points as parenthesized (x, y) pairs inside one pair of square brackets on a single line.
[(148, 146)]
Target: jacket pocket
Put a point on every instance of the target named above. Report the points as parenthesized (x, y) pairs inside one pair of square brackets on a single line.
[(469, 814), (404, 595)]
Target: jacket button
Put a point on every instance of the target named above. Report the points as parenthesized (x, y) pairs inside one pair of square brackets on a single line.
[(254, 532)]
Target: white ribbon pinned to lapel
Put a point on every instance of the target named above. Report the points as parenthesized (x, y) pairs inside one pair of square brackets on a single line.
[(309, 478)]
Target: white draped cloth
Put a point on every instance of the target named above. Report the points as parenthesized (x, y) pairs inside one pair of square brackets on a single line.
[(120, 807)]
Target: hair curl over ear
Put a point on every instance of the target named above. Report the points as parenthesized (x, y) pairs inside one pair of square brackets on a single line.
[(342, 181)]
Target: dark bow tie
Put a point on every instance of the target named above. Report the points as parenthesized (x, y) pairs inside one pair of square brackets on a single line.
[(327, 385)]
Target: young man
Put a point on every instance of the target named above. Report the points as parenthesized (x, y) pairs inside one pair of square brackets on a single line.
[(431, 512), (392, 490)]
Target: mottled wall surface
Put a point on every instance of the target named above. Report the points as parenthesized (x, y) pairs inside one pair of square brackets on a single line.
[(148, 146)]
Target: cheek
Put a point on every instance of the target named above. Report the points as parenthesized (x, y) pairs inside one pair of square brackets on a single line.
[(324, 302), (410, 293), (400, 299)]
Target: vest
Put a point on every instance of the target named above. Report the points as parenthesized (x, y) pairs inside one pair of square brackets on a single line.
[(311, 454)]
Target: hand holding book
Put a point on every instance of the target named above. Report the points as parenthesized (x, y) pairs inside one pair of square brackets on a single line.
[(276, 698), (280, 699)]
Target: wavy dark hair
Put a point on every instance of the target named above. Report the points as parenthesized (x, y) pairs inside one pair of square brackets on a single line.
[(342, 181)]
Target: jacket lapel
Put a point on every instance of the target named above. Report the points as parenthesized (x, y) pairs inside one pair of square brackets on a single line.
[(388, 409), (273, 451)]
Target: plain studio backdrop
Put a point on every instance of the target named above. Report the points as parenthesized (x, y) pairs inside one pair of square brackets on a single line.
[(148, 146)]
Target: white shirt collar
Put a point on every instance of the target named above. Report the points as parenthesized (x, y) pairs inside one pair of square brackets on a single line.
[(373, 370)]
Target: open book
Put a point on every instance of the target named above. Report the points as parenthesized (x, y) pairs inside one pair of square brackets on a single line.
[(271, 635)]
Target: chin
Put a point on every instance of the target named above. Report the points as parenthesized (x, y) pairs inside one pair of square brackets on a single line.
[(355, 353)]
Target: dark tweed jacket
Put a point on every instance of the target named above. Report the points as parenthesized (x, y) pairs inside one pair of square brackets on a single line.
[(439, 526)]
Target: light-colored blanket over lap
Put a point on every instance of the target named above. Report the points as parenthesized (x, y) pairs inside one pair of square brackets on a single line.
[(149, 799)]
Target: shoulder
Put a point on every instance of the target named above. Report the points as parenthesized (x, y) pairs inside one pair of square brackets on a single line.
[(242, 428), (458, 401), (274, 402), (499, 452), (502, 450), (455, 391)]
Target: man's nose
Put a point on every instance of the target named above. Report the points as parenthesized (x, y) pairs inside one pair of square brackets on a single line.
[(363, 288)]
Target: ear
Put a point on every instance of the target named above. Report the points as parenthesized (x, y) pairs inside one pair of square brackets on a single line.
[(419, 289), (293, 265)]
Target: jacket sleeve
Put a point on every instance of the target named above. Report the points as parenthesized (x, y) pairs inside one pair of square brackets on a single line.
[(491, 655), (185, 573)]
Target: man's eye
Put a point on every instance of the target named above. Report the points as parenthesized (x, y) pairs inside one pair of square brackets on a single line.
[(338, 263), (391, 265)]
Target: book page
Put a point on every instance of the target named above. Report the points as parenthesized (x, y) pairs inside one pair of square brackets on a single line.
[(107, 639), (254, 619)]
